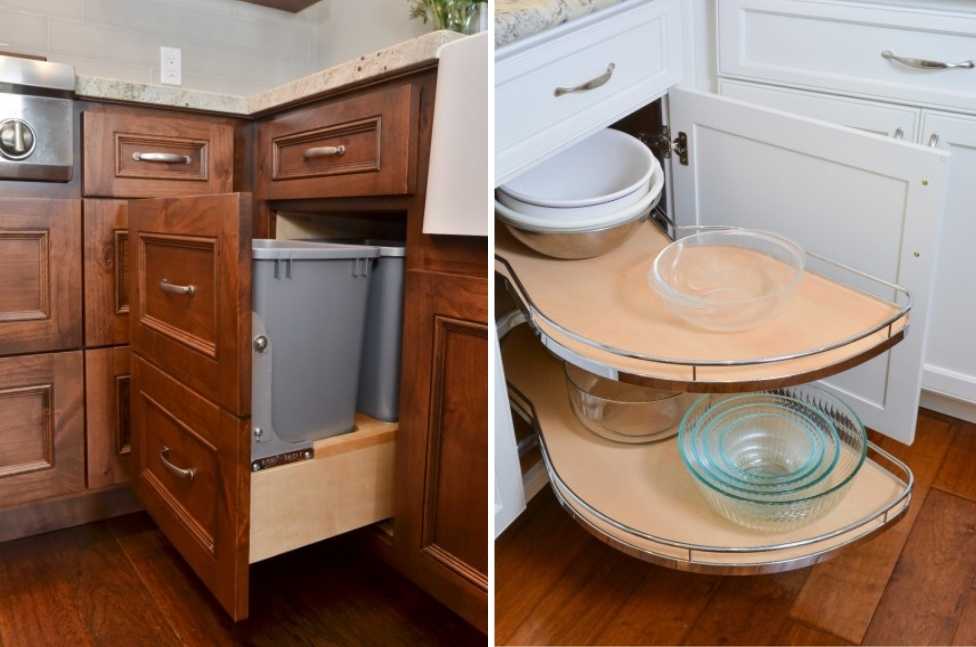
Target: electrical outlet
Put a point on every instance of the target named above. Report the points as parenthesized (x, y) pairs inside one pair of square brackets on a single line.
[(170, 66)]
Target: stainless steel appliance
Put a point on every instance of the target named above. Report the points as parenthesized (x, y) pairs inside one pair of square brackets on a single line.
[(36, 122)]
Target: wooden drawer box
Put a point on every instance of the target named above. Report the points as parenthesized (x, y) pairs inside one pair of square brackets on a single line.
[(107, 402), (40, 275), (130, 153), (838, 46), (106, 272), (361, 145), (42, 429)]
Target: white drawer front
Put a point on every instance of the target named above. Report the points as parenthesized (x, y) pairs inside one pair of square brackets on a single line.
[(838, 46), (878, 118), (642, 40)]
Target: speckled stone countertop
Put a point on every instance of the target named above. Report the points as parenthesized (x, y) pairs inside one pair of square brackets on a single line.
[(517, 19), (390, 59)]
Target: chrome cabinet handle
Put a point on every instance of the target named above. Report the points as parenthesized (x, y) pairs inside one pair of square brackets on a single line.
[(325, 151), (592, 84), (933, 140), (180, 472), (899, 133), (162, 158), (172, 288), (926, 64)]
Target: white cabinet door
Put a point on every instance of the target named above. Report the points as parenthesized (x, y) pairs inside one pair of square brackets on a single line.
[(868, 201), (509, 494), (870, 116), (950, 361)]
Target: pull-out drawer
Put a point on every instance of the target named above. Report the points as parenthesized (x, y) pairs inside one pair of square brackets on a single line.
[(191, 292), (107, 411), (190, 477), (42, 429), (131, 153), (106, 253), (40, 275), (559, 86), (362, 145), (912, 54)]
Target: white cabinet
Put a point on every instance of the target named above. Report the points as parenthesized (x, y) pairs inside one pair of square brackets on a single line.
[(859, 48), (950, 363)]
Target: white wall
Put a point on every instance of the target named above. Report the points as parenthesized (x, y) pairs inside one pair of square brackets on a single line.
[(228, 46), (378, 24)]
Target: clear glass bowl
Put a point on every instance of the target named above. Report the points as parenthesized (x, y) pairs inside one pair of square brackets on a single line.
[(772, 510), (624, 413), (767, 444), (727, 279)]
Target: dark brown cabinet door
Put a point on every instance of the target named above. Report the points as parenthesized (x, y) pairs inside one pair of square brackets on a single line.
[(106, 261), (190, 299), (442, 455), (108, 383), (40, 275), (42, 429), (190, 326)]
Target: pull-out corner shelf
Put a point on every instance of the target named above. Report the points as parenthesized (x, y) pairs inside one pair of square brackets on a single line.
[(601, 314), (639, 498)]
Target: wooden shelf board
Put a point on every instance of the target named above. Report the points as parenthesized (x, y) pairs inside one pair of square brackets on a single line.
[(608, 300), (646, 487)]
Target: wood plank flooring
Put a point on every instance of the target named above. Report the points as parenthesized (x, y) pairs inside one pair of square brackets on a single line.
[(914, 584), (120, 583)]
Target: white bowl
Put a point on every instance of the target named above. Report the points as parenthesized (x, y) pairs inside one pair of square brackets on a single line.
[(598, 209), (607, 166)]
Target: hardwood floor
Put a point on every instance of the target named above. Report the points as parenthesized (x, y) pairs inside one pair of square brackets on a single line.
[(914, 584), (121, 583)]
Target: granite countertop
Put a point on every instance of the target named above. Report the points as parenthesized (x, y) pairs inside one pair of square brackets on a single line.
[(518, 19), (389, 59)]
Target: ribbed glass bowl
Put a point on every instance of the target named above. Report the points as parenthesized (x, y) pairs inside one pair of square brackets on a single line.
[(763, 508), (764, 443), (624, 413), (727, 279)]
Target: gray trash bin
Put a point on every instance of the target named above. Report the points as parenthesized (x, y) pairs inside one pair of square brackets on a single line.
[(309, 310), (379, 378)]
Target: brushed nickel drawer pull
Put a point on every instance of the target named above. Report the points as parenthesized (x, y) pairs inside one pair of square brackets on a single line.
[(180, 472), (933, 140), (325, 151), (163, 158), (592, 84), (899, 133), (172, 288), (926, 64)]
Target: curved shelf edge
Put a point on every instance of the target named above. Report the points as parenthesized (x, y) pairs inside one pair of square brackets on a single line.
[(705, 376)]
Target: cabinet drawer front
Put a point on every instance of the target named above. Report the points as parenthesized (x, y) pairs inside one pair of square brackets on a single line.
[(190, 294), (106, 250), (189, 477), (40, 275), (357, 146), (42, 429), (108, 381), (838, 46), (129, 153), (532, 121)]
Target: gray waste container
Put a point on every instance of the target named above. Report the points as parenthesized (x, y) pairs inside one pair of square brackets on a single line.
[(309, 310), (379, 378)]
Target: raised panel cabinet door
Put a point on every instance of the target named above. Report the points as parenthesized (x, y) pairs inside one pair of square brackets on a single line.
[(190, 292), (442, 451), (42, 427), (106, 260), (950, 359), (108, 382), (362, 145), (40, 275), (137, 153), (193, 478)]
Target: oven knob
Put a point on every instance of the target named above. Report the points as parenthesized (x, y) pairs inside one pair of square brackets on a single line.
[(16, 139)]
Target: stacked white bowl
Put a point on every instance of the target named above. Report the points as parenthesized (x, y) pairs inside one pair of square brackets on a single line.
[(585, 200)]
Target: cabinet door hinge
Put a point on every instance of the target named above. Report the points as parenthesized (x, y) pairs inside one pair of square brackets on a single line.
[(661, 143)]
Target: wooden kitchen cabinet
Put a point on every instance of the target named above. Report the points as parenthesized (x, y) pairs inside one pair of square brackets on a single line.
[(106, 260), (441, 529), (108, 382)]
